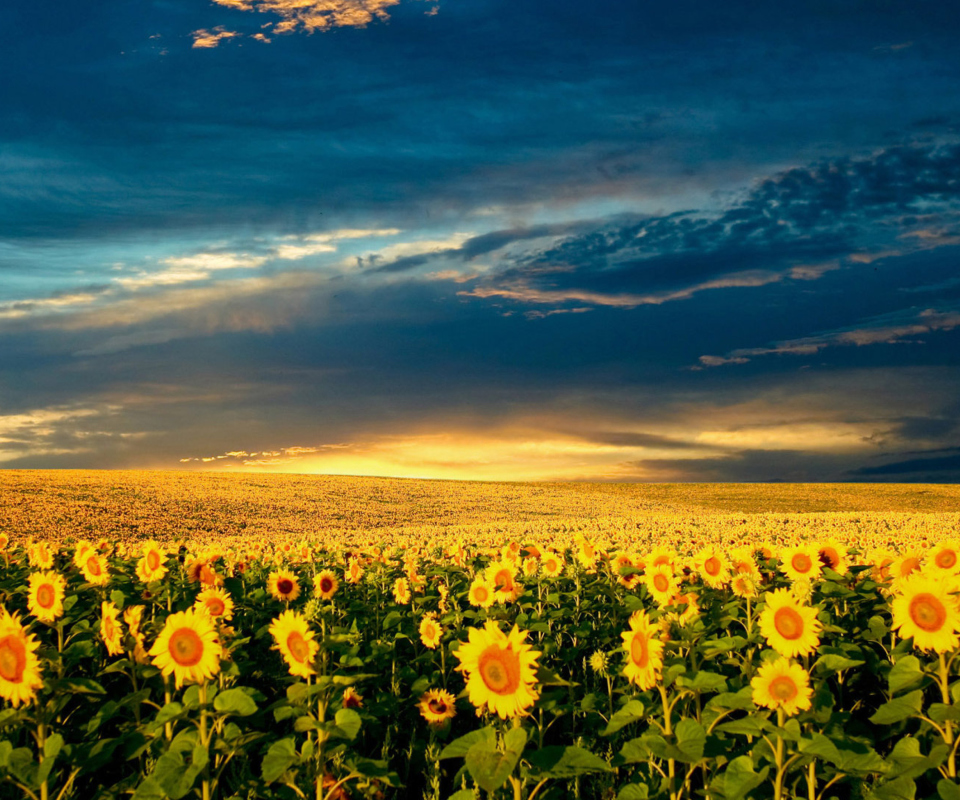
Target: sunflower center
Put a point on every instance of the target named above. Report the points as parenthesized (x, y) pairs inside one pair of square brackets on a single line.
[(946, 559), (801, 562), (503, 580), (909, 565), (783, 688), (551, 565), (660, 582), (93, 565), (153, 559), (500, 670), (481, 594), (186, 647), (639, 654), (927, 612), (437, 706), (46, 596), (215, 606), (788, 622), (13, 658), (284, 586), (298, 646), (326, 585), (712, 565)]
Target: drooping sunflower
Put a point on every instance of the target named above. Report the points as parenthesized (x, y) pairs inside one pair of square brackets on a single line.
[(790, 627), (782, 684), (944, 557), (500, 670), (19, 666), (742, 562), (481, 593), (661, 583), (644, 651), (40, 555), (833, 555), (354, 571), (283, 585), (430, 631), (151, 568), (296, 643), (187, 648), (133, 616), (110, 629), (325, 585), (437, 706), (45, 595), (351, 698), (216, 602), (802, 561), (924, 609), (94, 568), (401, 591)]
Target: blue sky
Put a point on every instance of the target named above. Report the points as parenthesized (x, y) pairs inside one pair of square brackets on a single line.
[(488, 240)]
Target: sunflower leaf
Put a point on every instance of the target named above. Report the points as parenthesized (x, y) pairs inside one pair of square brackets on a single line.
[(905, 673), (565, 762), (631, 712), (235, 701), (898, 709), (279, 758), (458, 748)]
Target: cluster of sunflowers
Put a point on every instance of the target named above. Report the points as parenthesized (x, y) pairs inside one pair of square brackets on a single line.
[(781, 667)]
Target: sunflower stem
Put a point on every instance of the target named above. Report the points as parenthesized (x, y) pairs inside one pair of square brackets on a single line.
[(778, 783), (948, 724), (41, 742), (668, 730), (204, 740)]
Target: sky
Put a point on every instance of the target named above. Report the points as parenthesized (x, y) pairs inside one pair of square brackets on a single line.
[(479, 239)]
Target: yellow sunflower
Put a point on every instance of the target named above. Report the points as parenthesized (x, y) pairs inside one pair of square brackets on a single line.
[(151, 568), (790, 628), (19, 665), (833, 555), (661, 583), (187, 647), (295, 642), (110, 629), (802, 561), (401, 591), (924, 609), (644, 651), (351, 698), (216, 602), (903, 567), (354, 571), (45, 595), (713, 567), (744, 585), (283, 585), (500, 670), (551, 564), (782, 684), (133, 616), (94, 568), (430, 631), (437, 706), (944, 557), (502, 576), (40, 555), (481, 593), (325, 585)]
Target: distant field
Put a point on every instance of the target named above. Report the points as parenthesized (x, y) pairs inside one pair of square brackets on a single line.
[(182, 505)]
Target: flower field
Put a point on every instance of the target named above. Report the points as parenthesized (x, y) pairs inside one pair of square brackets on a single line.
[(676, 656)]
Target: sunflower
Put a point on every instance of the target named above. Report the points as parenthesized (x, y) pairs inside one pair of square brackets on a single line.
[(782, 684), (443, 593), (551, 564), (742, 562), (662, 557), (45, 595), (133, 616), (354, 571), (187, 647), (833, 556), (530, 566), (19, 665), (216, 602), (904, 566), (789, 627), (351, 699), (283, 585), (944, 558), (924, 609), (94, 568), (802, 561), (437, 706), (430, 631), (500, 670), (644, 651), (713, 567), (40, 555), (151, 568), (325, 585), (481, 593), (661, 583), (401, 591), (502, 576), (295, 642), (110, 629), (587, 553), (744, 584)]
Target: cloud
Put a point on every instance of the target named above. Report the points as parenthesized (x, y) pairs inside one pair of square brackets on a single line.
[(204, 39), (315, 15)]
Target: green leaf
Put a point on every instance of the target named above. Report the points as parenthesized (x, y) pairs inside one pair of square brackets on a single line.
[(565, 762), (173, 773), (948, 790), (898, 789), (905, 673), (463, 794), (820, 746), (899, 709), (835, 663), (52, 746), (21, 765), (634, 791), (348, 723), (169, 712), (235, 701), (703, 682), (739, 779), (939, 712), (631, 712), (748, 726), (279, 758), (5, 750), (149, 789), (458, 748), (742, 699), (117, 598), (490, 767), (691, 738), (392, 620)]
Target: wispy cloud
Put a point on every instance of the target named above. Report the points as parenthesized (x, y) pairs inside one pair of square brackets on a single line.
[(204, 39)]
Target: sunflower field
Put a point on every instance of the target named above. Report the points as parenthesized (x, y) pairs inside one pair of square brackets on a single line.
[(780, 668)]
